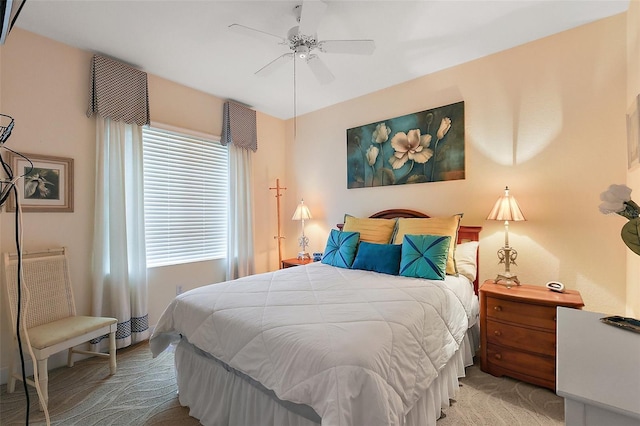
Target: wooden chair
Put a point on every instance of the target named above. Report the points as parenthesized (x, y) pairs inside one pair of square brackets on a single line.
[(49, 313)]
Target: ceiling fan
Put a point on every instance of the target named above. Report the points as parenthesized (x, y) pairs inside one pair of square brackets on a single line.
[(303, 42)]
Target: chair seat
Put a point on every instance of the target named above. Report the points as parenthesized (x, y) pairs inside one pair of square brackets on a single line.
[(52, 333)]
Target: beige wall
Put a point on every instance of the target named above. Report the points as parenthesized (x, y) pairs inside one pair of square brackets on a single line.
[(633, 177), (545, 118), (44, 86)]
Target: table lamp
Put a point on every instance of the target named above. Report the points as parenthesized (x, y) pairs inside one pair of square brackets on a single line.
[(302, 213), (506, 209)]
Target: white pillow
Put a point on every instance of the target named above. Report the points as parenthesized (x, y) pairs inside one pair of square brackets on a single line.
[(465, 256)]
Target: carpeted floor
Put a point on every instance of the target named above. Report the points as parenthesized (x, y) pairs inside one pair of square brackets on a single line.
[(487, 400), (143, 392)]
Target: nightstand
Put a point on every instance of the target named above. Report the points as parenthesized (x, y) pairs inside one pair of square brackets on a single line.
[(518, 331), (288, 263)]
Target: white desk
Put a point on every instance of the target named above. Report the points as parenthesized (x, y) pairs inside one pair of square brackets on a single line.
[(597, 370)]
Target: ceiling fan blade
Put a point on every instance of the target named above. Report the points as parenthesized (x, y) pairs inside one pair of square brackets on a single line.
[(274, 65), (320, 70), (252, 32), (311, 15), (357, 47)]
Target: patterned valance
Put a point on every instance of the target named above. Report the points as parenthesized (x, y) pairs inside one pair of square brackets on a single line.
[(118, 92), (239, 126)]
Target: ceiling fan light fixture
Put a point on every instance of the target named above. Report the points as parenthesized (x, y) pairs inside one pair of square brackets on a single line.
[(302, 52)]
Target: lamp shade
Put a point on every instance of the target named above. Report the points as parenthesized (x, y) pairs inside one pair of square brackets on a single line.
[(302, 212), (506, 208)]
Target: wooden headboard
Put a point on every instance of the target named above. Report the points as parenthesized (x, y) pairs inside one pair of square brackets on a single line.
[(465, 233)]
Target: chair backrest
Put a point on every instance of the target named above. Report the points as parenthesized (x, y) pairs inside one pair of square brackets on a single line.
[(46, 277)]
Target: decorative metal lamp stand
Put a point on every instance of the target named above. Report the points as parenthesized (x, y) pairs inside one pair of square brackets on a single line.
[(302, 213), (505, 209)]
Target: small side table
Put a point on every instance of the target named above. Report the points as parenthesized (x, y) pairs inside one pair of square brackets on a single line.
[(518, 331), (288, 263)]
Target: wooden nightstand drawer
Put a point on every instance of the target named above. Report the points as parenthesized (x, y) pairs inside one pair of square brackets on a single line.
[(522, 313), (521, 362), (541, 342)]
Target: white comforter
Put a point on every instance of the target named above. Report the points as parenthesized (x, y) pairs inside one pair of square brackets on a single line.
[(357, 346)]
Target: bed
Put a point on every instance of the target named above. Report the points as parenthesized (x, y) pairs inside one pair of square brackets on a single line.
[(321, 344)]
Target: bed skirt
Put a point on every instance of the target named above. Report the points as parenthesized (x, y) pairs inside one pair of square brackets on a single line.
[(220, 396)]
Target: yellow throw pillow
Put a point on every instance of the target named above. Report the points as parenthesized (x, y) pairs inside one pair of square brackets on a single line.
[(432, 226), (377, 231)]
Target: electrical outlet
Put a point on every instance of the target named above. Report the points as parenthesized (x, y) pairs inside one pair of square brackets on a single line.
[(178, 290)]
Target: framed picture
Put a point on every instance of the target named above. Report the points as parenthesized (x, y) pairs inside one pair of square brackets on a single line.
[(633, 134), (46, 183), (426, 146)]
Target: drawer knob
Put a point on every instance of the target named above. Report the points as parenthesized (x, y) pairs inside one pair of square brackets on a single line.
[(554, 319), (497, 308), (497, 333), (498, 356)]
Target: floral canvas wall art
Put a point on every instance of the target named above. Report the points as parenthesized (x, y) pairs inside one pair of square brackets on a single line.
[(426, 146)]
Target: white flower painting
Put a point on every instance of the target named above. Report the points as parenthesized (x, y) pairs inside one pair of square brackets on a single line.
[(426, 146)]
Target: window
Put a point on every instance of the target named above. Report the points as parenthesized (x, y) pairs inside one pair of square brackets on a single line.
[(185, 197)]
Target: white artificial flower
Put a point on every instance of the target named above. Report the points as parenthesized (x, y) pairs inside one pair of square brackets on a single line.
[(615, 199), (608, 208)]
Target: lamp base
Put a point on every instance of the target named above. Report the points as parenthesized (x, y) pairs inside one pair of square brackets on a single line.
[(303, 255), (507, 280)]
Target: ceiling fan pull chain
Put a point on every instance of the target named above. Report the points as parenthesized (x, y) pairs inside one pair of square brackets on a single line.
[(295, 100)]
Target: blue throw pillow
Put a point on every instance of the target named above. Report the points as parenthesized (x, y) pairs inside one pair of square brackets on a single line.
[(424, 256), (383, 258), (341, 248)]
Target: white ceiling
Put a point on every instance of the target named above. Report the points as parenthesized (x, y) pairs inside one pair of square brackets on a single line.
[(188, 41)]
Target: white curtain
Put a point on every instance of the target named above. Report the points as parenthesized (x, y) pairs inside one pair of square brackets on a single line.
[(119, 255), (240, 261)]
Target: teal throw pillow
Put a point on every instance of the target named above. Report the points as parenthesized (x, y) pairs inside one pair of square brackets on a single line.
[(424, 256), (383, 258), (341, 248)]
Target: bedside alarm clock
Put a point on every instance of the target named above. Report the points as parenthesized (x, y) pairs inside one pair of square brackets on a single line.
[(555, 286)]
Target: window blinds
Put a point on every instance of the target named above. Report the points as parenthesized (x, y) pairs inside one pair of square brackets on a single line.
[(185, 197)]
